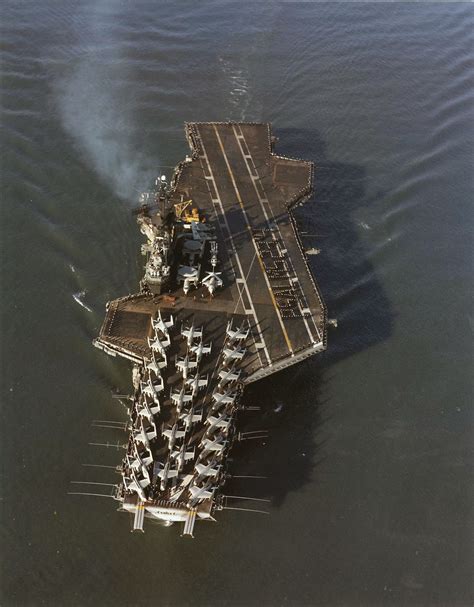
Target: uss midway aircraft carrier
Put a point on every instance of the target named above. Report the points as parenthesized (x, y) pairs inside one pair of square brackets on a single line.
[(227, 298)]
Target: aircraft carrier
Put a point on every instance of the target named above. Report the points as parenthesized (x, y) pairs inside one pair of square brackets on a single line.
[(227, 298)]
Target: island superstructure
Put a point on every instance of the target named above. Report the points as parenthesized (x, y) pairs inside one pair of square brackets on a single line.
[(227, 298)]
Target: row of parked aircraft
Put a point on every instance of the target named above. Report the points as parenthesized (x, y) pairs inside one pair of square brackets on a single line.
[(139, 458), (220, 418), (201, 484)]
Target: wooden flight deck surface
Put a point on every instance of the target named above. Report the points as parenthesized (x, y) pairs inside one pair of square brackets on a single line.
[(246, 193)]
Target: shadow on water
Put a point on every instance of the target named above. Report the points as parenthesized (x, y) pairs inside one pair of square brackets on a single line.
[(294, 403)]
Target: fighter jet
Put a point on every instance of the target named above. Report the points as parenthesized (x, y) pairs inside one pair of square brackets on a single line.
[(147, 411), (184, 364), (162, 325), (199, 349), (233, 353), (183, 455), (212, 282), (136, 485), (227, 398), (228, 376), (223, 421), (151, 388), (157, 345), (189, 418), (201, 493), (236, 334), (214, 445), (166, 474), (164, 338), (172, 434), (145, 456), (179, 398), (134, 461), (145, 436), (207, 470), (196, 383), (154, 366), (191, 333)]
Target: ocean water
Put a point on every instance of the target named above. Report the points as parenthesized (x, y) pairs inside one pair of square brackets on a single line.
[(369, 455)]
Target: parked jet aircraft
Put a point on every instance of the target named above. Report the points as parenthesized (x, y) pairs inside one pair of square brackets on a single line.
[(137, 463), (179, 398), (196, 383), (222, 421), (191, 333), (212, 282), (145, 436), (189, 418), (152, 388), (228, 398), (183, 455), (148, 411), (145, 456), (208, 470), (172, 434), (184, 364), (166, 474), (201, 493), (133, 483), (214, 445), (233, 353), (162, 325), (228, 376), (157, 345), (156, 365), (236, 334), (199, 349)]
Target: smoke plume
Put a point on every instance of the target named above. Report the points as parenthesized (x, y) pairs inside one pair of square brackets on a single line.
[(96, 104)]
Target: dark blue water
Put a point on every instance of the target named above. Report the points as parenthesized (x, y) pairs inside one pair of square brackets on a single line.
[(370, 447)]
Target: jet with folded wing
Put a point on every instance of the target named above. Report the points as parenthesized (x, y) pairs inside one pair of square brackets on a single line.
[(162, 325)]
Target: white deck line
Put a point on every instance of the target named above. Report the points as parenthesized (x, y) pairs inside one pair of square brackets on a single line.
[(261, 201), (221, 206)]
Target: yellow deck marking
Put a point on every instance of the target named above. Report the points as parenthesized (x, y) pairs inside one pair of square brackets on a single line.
[(239, 198)]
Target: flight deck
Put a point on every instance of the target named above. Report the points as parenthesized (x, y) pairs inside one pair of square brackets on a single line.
[(246, 193)]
